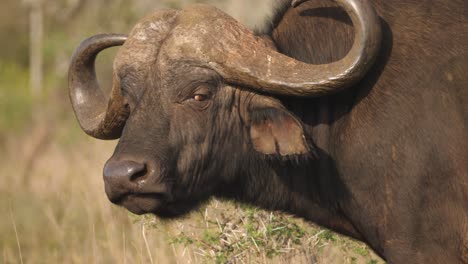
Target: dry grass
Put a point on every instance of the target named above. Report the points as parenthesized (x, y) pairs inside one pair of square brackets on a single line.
[(59, 209), (55, 211)]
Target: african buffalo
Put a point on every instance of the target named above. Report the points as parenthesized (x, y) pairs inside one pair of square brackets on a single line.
[(349, 114)]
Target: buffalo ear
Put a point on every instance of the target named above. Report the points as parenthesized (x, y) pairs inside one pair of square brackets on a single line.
[(277, 131)]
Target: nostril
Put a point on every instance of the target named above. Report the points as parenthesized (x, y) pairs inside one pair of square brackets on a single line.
[(139, 175), (123, 172)]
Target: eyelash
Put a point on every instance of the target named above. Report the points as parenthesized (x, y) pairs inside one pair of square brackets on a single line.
[(202, 93)]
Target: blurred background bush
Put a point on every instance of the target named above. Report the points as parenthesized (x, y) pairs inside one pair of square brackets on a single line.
[(52, 199)]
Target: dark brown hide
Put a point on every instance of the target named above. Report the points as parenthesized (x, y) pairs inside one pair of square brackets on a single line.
[(391, 139)]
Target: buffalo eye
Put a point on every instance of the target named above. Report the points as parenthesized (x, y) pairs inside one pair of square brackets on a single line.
[(202, 93), (200, 97)]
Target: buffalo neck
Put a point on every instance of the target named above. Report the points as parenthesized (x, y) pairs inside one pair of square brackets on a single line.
[(310, 189)]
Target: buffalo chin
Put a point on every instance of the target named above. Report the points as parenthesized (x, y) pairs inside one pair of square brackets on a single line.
[(176, 209), (141, 204)]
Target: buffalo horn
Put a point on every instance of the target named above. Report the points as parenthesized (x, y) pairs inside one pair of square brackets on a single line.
[(272, 72), (98, 117)]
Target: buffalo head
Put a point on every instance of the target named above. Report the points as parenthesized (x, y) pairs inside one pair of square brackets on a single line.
[(192, 103)]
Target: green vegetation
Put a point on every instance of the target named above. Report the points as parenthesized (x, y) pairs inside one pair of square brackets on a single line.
[(231, 235), (15, 99), (227, 232)]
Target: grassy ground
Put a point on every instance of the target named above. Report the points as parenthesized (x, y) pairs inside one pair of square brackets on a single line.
[(55, 211)]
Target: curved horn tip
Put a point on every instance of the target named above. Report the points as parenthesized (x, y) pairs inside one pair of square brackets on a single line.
[(98, 117), (315, 80)]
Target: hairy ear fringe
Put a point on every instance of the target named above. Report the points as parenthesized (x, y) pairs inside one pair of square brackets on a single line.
[(296, 159), (277, 132)]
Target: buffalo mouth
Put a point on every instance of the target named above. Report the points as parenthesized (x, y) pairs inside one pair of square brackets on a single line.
[(158, 204), (141, 203)]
